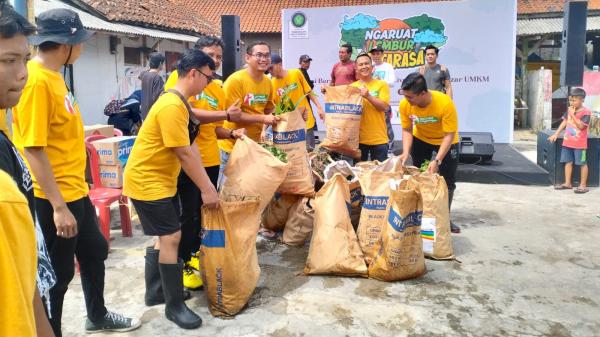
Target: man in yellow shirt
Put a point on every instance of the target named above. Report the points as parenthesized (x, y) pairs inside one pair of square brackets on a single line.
[(47, 128), (293, 82), (164, 146), (430, 131), (373, 138), (21, 310), (252, 89), (210, 109)]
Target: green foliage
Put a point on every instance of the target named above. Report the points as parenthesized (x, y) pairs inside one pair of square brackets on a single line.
[(424, 22), (424, 166), (279, 154), (286, 104), (355, 37)]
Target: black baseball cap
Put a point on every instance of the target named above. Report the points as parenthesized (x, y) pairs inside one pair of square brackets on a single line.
[(377, 48), (61, 26), (276, 59), (305, 58)]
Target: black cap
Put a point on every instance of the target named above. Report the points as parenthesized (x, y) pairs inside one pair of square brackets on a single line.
[(377, 48), (61, 26), (276, 59), (305, 58)]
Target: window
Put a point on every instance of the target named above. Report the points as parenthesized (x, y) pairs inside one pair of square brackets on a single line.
[(133, 56)]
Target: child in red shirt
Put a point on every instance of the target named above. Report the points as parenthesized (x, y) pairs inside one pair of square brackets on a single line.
[(574, 148)]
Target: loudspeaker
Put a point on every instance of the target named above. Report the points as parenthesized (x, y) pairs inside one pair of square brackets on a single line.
[(548, 157), (475, 147), (572, 52), (230, 30)]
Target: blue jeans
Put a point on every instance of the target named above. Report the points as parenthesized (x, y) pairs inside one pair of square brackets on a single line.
[(375, 152), (224, 159)]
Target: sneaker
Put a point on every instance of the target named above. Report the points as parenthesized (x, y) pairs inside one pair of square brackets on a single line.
[(194, 263), (112, 322), (191, 280)]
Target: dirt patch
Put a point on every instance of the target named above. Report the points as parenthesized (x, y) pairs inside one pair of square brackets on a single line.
[(332, 282), (372, 289), (343, 316)]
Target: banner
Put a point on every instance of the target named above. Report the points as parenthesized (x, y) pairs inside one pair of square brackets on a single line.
[(477, 42)]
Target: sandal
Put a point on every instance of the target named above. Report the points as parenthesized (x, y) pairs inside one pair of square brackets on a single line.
[(562, 187), (580, 190), (267, 234)]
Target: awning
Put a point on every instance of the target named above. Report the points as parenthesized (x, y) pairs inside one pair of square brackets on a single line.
[(95, 23), (528, 27)]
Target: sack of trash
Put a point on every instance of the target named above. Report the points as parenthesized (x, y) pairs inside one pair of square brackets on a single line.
[(356, 196), (334, 246), (343, 112), (253, 170), (400, 249), (375, 186), (299, 223), (276, 214), (435, 225), (289, 135), (228, 259)]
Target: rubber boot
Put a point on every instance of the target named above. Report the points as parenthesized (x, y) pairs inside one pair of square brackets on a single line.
[(154, 293), (176, 310), (453, 228)]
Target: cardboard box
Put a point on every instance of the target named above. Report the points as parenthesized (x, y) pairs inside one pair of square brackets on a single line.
[(114, 150), (98, 129), (111, 176)]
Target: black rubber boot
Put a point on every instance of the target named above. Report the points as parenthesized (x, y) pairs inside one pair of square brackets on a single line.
[(176, 310), (154, 292)]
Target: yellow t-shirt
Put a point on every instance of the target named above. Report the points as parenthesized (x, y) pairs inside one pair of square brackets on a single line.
[(211, 99), (298, 87), (152, 168), (430, 123), (255, 97), (48, 116), (4, 122), (18, 261), (373, 130)]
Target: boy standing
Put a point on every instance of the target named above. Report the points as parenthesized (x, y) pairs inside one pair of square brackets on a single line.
[(574, 147)]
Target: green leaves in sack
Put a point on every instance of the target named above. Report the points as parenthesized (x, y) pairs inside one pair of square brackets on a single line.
[(279, 154), (424, 166), (286, 104)]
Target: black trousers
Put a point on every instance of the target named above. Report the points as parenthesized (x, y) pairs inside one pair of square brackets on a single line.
[(188, 201), (373, 152), (422, 151), (90, 248)]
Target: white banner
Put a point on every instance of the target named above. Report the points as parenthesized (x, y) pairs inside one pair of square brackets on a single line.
[(476, 38)]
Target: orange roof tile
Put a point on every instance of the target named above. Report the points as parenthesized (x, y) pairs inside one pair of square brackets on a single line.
[(260, 16)]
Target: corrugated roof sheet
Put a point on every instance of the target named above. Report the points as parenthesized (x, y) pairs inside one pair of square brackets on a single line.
[(528, 27), (94, 23)]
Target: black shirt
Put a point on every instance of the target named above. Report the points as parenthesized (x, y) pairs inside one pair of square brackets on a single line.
[(307, 77), (152, 86), (12, 163)]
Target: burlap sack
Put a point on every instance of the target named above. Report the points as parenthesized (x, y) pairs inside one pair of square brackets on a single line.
[(356, 197), (343, 111), (435, 226), (253, 171), (299, 224), (228, 259), (276, 214), (375, 187), (400, 249), (334, 246), (289, 135)]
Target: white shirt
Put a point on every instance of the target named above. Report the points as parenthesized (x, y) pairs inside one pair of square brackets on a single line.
[(385, 72)]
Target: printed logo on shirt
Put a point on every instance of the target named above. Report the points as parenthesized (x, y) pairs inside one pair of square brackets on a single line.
[(213, 102), (70, 103), (374, 93), (423, 120), (379, 74), (253, 99), (27, 181)]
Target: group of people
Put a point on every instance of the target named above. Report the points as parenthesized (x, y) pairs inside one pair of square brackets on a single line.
[(190, 126)]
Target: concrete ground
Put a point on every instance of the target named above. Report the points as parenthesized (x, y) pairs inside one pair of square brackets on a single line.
[(529, 266)]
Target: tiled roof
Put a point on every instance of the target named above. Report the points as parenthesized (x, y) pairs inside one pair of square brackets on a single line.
[(261, 16), (153, 13)]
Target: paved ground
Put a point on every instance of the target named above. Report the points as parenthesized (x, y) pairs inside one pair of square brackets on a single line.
[(530, 266)]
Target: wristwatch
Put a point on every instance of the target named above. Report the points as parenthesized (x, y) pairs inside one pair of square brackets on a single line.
[(438, 162)]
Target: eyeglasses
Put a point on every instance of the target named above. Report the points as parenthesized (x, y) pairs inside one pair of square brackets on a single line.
[(261, 56), (208, 78)]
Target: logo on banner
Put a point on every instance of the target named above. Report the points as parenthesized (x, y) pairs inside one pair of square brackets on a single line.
[(299, 26), (402, 40)]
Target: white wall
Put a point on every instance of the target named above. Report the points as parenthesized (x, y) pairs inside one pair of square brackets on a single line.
[(99, 75)]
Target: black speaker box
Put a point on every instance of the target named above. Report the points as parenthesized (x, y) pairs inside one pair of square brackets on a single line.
[(475, 147), (230, 30), (548, 157), (572, 52)]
